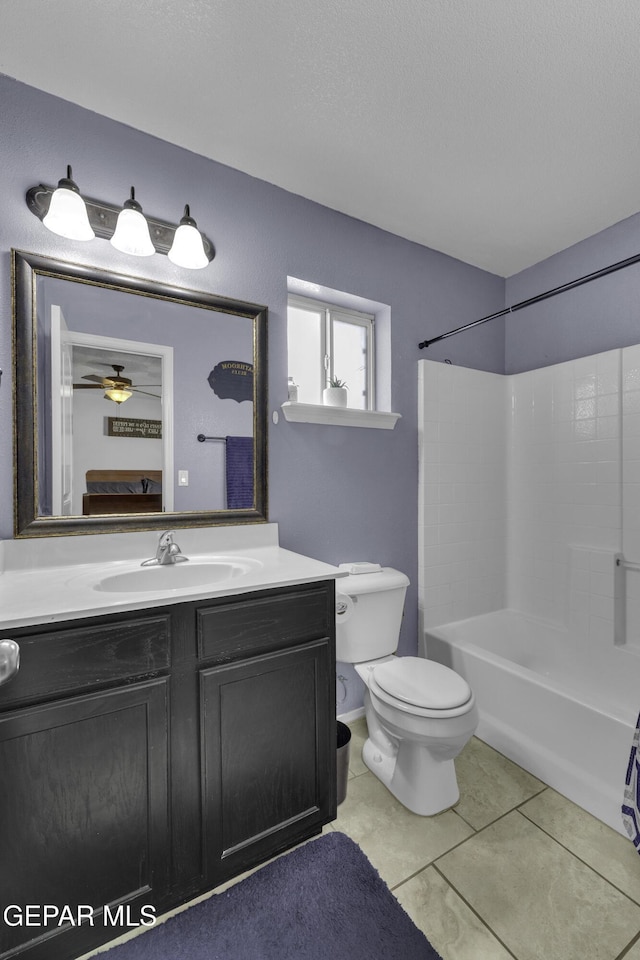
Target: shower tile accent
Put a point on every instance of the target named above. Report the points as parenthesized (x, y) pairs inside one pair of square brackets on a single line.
[(592, 595), (564, 488)]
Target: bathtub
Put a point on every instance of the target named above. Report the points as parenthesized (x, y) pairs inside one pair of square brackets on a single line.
[(564, 713)]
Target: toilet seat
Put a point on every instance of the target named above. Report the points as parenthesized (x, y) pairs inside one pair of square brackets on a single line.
[(421, 687)]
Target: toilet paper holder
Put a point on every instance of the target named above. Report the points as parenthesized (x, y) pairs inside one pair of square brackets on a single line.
[(344, 606)]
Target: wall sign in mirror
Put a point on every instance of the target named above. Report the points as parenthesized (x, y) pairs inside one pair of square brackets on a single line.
[(112, 388)]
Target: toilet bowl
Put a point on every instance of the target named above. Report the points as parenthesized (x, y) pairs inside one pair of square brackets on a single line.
[(419, 713), (411, 746)]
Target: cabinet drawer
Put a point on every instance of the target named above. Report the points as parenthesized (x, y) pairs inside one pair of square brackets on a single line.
[(249, 625), (55, 662)]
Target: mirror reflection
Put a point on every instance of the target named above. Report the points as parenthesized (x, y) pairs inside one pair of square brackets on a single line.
[(129, 374)]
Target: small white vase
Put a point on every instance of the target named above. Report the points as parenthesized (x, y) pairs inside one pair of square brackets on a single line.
[(334, 396)]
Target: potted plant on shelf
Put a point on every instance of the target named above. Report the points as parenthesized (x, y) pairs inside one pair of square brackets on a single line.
[(335, 394)]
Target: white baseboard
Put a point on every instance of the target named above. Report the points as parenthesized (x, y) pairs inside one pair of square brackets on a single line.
[(351, 715)]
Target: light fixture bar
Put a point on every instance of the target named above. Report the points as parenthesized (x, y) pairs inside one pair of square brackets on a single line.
[(104, 216)]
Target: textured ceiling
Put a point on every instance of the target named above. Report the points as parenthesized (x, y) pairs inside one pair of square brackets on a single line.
[(497, 131)]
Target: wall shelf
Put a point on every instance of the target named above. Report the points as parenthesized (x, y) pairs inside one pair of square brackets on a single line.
[(338, 416)]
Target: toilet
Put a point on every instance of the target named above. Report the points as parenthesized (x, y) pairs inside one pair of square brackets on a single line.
[(419, 713)]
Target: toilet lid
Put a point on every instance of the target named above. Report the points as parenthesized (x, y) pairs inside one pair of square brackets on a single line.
[(424, 683)]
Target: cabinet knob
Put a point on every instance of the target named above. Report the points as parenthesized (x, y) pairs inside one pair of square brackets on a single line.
[(9, 660)]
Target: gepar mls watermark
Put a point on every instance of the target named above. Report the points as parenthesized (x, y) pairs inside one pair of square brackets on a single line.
[(49, 915)]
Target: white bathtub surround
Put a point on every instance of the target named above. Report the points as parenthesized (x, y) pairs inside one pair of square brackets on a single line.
[(527, 482), (462, 491), (564, 477), (562, 450), (567, 720)]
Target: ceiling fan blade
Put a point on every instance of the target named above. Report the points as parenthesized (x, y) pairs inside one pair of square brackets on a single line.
[(156, 396), (94, 377), (88, 386)]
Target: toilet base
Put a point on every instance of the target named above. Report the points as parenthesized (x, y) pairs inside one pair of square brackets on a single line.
[(421, 783)]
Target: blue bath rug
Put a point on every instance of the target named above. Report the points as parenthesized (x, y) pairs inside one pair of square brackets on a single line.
[(323, 901), (631, 803)]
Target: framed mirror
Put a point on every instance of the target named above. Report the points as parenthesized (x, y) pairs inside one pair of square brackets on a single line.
[(137, 405)]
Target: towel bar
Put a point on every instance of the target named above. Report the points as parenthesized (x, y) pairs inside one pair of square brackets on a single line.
[(629, 564)]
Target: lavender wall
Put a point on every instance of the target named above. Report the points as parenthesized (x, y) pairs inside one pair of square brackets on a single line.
[(598, 316), (338, 493)]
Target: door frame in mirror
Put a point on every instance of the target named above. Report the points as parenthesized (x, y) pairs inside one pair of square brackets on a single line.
[(25, 269)]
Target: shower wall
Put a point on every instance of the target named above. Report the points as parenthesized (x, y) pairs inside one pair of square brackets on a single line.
[(529, 487), (462, 492), (563, 508)]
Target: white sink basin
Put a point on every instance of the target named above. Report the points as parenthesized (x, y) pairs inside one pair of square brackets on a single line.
[(176, 576)]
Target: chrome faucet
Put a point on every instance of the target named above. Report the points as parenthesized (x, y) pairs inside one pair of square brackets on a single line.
[(167, 552)]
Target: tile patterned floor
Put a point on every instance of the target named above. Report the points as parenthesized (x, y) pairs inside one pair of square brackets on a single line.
[(514, 872)]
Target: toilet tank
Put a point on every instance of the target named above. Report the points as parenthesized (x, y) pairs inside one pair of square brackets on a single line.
[(369, 604)]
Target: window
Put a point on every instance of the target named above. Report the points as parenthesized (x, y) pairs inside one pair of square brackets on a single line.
[(326, 342)]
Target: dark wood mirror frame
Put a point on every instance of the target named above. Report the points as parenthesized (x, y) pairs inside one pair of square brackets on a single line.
[(26, 267)]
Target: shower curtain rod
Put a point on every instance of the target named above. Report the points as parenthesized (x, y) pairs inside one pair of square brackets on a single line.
[(541, 296)]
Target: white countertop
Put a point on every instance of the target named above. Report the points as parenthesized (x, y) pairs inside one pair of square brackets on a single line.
[(53, 579)]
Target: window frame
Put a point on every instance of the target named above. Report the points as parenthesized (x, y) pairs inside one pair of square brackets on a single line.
[(332, 312)]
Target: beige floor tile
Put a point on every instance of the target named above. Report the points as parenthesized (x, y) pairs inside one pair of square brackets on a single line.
[(358, 736), (448, 923), (396, 841), (539, 899), (634, 953), (490, 785), (608, 852)]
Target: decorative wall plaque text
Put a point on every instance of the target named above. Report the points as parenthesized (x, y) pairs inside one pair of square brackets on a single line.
[(132, 427), (232, 380)]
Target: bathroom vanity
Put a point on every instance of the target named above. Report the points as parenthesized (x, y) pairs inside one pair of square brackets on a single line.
[(154, 744)]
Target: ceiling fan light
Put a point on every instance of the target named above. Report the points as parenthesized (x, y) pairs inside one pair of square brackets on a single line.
[(187, 249), (67, 214), (117, 394), (132, 230)]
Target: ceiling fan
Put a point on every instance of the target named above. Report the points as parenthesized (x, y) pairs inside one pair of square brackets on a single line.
[(116, 387)]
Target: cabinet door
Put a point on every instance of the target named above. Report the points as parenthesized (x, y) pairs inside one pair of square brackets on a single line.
[(268, 755), (83, 800)]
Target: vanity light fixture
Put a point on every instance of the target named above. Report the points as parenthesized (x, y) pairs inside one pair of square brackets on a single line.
[(132, 230), (67, 212), (183, 243)]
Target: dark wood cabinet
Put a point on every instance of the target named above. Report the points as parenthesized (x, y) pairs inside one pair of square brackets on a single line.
[(84, 813), (264, 775), (146, 757)]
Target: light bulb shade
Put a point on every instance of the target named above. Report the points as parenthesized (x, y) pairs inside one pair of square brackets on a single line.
[(132, 234), (67, 215), (187, 249), (117, 394)]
